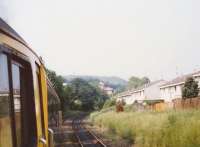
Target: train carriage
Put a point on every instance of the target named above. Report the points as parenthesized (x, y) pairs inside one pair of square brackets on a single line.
[(23, 93), (53, 105)]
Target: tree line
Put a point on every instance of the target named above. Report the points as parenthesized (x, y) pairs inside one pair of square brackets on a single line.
[(77, 94)]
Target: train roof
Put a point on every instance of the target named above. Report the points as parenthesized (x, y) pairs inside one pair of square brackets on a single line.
[(9, 31)]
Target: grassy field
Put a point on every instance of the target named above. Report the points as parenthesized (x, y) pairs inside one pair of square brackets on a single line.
[(153, 129)]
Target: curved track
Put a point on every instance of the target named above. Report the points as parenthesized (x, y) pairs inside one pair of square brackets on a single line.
[(84, 136)]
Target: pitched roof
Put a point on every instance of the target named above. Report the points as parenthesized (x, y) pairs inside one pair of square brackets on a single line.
[(146, 86), (123, 94), (179, 80), (129, 92), (7, 29)]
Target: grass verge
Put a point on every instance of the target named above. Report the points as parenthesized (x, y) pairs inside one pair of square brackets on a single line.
[(153, 129)]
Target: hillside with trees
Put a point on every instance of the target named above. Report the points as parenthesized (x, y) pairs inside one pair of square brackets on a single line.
[(116, 83), (78, 94)]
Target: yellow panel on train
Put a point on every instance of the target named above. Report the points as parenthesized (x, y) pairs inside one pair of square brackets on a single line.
[(23, 93)]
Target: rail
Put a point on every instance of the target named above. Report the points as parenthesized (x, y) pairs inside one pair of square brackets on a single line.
[(77, 125)]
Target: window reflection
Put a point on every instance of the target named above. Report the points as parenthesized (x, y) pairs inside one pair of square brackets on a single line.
[(17, 101), (5, 121)]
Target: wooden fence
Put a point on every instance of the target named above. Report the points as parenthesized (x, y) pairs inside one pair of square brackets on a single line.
[(157, 106), (162, 106), (187, 103), (191, 103)]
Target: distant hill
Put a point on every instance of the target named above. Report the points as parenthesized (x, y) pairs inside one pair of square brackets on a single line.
[(114, 82)]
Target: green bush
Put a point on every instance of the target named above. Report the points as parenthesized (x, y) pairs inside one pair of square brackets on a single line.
[(109, 103), (190, 88)]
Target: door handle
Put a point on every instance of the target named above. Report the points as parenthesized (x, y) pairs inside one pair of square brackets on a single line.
[(42, 140)]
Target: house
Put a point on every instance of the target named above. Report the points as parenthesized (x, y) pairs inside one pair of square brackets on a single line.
[(125, 96), (173, 89), (107, 89), (148, 92)]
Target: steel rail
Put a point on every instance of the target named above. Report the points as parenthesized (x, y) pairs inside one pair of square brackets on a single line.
[(75, 132), (80, 124), (98, 139)]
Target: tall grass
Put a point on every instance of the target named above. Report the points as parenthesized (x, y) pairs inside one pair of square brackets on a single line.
[(153, 129)]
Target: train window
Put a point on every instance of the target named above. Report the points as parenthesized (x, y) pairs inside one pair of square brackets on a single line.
[(5, 120), (53, 107), (23, 103), (40, 103), (17, 126), (16, 80)]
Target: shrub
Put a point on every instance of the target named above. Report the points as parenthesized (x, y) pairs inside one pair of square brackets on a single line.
[(120, 106), (190, 88), (109, 103)]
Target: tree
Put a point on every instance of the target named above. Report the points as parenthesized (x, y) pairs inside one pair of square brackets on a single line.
[(145, 80), (135, 82), (87, 96), (78, 94), (190, 88)]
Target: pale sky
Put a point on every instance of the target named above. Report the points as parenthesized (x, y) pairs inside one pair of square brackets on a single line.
[(154, 38)]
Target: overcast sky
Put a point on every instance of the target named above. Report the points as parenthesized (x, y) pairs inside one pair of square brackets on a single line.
[(155, 38)]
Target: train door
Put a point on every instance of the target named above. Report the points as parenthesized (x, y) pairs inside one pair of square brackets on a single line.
[(41, 104), (40, 110), (20, 117)]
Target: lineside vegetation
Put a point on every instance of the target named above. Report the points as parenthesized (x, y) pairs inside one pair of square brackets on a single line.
[(153, 129)]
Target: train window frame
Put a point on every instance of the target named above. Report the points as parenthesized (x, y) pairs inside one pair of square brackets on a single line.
[(9, 101), (24, 101), (7, 49), (15, 57), (21, 99)]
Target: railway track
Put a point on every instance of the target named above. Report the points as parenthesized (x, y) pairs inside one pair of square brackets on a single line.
[(85, 137)]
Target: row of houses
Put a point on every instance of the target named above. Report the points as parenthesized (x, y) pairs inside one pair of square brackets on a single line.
[(160, 90)]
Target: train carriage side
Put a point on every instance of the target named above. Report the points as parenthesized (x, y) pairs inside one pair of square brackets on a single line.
[(53, 106), (23, 93)]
